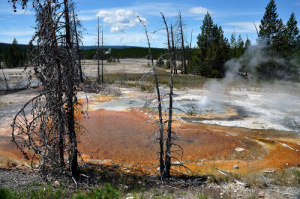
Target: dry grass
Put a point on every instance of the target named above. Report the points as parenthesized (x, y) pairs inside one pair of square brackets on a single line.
[(6, 162), (282, 177)]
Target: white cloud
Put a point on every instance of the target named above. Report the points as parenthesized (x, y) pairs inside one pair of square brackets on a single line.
[(87, 17), (120, 20), (132, 37), (243, 27), (200, 10)]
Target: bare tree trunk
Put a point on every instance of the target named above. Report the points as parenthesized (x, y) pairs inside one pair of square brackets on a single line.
[(183, 71), (102, 77), (78, 50), (160, 122), (98, 50), (59, 93), (70, 94), (166, 173), (173, 51)]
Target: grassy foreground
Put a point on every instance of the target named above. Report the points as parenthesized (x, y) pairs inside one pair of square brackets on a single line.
[(50, 192)]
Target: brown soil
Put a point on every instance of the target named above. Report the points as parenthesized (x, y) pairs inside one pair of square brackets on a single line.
[(123, 137)]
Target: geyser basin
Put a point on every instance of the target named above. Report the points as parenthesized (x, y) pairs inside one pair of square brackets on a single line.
[(187, 108), (119, 104), (198, 108)]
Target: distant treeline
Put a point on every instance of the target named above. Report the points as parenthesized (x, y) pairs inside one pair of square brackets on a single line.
[(16, 55), (5, 46), (117, 53), (13, 55)]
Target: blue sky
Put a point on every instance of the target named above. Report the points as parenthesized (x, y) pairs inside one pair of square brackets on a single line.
[(118, 19)]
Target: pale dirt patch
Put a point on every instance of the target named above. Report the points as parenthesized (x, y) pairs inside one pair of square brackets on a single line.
[(128, 66)]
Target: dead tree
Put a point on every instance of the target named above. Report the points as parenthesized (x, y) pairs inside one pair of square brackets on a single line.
[(166, 173), (164, 134), (160, 124), (173, 51), (46, 125), (181, 36), (98, 52), (102, 58), (76, 23)]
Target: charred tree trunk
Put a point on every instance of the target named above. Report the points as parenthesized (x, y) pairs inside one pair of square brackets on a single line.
[(102, 72), (183, 71), (166, 173), (98, 51), (77, 48), (70, 94), (173, 51), (59, 92)]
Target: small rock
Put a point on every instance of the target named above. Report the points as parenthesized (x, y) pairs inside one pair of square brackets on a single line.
[(239, 149), (236, 167), (56, 184)]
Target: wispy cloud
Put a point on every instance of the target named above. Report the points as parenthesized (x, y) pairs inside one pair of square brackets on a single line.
[(120, 20), (200, 10), (14, 32), (131, 38), (243, 27), (8, 11), (87, 17)]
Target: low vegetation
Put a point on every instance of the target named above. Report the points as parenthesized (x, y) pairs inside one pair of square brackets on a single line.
[(61, 192)]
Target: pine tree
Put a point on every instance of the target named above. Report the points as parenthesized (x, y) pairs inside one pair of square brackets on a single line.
[(272, 32), (212, 52), (292, 46), (233, 46), (270, 24), (240, 47), (247, 43), (13, 56), (292, 31)]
